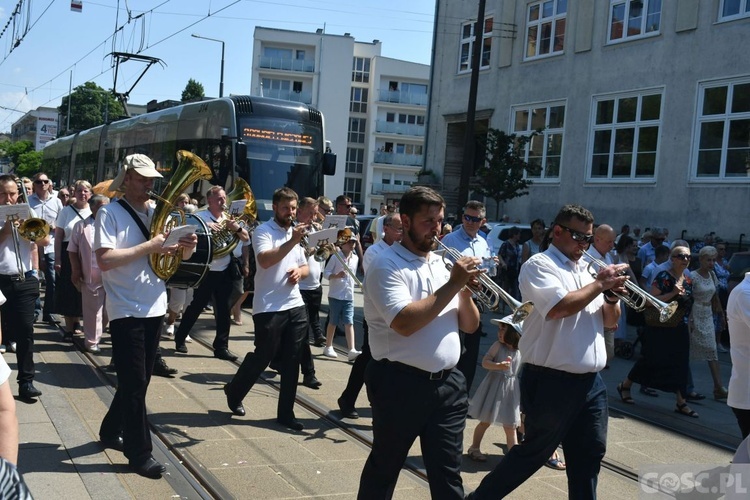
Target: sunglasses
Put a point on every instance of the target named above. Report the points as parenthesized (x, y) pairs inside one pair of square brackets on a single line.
[(347, 206), (579, 237), (471, 218), (41, 181), (682, 256)]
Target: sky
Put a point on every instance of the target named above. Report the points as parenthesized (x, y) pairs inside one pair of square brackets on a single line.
[(46, 43)]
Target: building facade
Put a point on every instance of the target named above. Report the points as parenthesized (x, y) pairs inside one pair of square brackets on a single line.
[(38, 126), (644, 106), (374, 107)]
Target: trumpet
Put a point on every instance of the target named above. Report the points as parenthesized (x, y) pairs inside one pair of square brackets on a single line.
[(488, 292), (636, 298)]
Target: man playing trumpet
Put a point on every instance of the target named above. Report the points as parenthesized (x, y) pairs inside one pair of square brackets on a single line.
[(20, 285)]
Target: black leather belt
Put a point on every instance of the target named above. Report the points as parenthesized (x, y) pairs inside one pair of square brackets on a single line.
[(555, 373), (17, 277), (418, 371)]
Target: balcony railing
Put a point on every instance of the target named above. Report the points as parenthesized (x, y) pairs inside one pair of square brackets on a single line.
[(379, 188), (289, 95), (402, 97), (400, 128), (398, 158), (288, 64)]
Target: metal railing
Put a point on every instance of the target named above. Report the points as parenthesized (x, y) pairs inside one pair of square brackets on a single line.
[(380, 188), (289, 64), (399, 128), (402, 97), (398, 158), (289, 95)]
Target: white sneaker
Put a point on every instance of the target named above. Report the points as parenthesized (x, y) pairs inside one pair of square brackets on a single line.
[(353, 355), (188, 339), (170, 330), (329, 352)]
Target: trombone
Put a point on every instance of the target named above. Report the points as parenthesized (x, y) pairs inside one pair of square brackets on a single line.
[(323, 250), (636, 298), (488, 292)]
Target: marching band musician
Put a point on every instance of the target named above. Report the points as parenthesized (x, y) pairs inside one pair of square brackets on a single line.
[(136, 305), (278, 309), (415, 307), (20, 284), (215, 283), (562, 394)]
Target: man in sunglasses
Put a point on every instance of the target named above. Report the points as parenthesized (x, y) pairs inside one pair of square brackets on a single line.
[(562, 395), (47, 206), (468, 241)]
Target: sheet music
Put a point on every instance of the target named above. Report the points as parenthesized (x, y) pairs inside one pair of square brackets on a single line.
[(237, 207), (326, 234), (338, 221), (178, 232), (21, 210)]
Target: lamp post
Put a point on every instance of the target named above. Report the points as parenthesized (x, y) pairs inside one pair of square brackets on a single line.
[(221, 76)]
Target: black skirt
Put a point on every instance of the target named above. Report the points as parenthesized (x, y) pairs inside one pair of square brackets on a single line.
[(665, 358), (67, 297)]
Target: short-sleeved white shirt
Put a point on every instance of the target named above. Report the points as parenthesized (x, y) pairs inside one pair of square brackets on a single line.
[(573, 344), (221, 263), (133, 290), (48, 210), (68, 218), (738, 319), (341, 288), (8, 262), (395, 279), (373, 252), (312, 281), (273, 291)]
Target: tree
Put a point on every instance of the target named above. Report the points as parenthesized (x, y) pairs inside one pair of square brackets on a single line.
[(501, 177), (91, 105), (26, 162), (193, 91)]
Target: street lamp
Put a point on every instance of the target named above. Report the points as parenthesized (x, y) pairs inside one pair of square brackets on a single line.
[(221, 77)]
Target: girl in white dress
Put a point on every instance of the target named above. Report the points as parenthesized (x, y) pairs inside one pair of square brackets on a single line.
[(498, 398)]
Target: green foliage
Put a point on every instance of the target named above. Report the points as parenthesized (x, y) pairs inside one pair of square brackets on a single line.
[(26, 161), (193, 90), (89, 105), (502, 175)]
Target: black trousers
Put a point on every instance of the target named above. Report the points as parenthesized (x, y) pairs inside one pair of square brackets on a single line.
[(216, 285), (18, 321), (312, 299), (134, 345), (407, 405), (743, 420), (285, 332), (467, 363), (357, 375)]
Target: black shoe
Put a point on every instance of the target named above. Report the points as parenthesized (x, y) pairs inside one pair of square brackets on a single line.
[(114, 442), (347, 410), (293, 424), (695, 396), (275, 367), (235, 406), (225, 355), (319, 342), (180, 348), (150, 468), (26, 390), (311, 381), (162, 370)]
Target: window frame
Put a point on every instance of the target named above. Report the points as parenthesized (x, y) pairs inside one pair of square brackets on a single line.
[(471, 39), (644, 17), (361, 72), (358, 133), (638, 125), (353, 192), (355, 160), (538, 23), (544, 136), (358, 99), (743, 6), (726, 119)]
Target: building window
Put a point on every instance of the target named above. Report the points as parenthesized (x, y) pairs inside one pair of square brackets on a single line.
[(361, 69), (297, 87), (355, 160), (300, 55), (353, 189), (467, 44), (723, 131), (630, 19), (272, 84), (733, 9), (625, 136), (358, 102), (545, 28), (277, 53), (357, 130), (543, 151)]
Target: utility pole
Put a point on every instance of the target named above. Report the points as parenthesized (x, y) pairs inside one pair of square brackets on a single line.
[(469, 139)]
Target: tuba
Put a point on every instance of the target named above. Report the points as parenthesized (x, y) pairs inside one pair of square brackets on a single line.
[(191, 168), (224, 240)]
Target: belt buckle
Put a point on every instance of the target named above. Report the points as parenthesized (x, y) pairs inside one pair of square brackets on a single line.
[(436, 375), (17, 277)]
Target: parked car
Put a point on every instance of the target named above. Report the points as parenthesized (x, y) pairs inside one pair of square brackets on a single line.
[(739, 264), (499, 233)]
